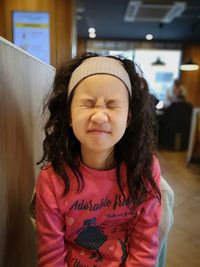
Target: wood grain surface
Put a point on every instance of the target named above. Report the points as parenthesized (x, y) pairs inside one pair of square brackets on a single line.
[(23, 83)]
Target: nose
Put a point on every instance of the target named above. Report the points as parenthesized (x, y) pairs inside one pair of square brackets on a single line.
[(99, 116)]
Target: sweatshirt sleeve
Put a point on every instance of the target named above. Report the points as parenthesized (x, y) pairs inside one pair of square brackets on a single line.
[(144, 245), (50, 224)]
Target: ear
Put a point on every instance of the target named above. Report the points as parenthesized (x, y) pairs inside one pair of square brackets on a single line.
[(69, 119), (128, 119), (70, 122)]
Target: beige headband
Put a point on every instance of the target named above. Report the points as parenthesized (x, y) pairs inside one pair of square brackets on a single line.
[(99, 65)]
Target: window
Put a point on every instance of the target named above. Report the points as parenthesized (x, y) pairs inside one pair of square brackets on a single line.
[(160, 78)]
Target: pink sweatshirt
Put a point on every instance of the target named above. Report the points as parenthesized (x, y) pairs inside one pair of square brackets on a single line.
[(95, 227)]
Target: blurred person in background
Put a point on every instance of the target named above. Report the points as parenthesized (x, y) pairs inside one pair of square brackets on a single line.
[(174, 124), (179, 92)]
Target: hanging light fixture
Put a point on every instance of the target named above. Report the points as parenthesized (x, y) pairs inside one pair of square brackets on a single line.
[(158, 62), (189, 65)]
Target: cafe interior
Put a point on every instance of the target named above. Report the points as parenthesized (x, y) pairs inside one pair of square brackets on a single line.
[(163, 39)]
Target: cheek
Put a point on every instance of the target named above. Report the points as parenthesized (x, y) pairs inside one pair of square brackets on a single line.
[(77, 129), (74, 122), (122, 124), (78, 122), (79, 116)]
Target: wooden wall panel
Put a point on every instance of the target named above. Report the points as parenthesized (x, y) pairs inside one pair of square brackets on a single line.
[(191, 79), (81, 46), (23, 83), (2, 21), (61, 23), (64, 30)]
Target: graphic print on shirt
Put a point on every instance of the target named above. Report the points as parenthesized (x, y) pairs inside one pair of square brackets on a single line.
[(124, 251), (92, 237), (105, 238)]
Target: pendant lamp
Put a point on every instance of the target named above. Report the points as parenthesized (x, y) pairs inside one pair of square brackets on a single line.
[(189, 65), (158, 62)]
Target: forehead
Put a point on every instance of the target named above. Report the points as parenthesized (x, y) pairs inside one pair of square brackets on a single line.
[(101, 85)]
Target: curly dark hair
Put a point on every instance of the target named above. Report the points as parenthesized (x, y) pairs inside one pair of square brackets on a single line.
[(136, 148)]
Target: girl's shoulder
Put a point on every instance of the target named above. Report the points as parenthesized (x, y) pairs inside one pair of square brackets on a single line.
[(49, 178), (155, 163), (156, 173)]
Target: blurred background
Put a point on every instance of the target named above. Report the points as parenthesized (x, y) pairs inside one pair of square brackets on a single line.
[(162, 37)]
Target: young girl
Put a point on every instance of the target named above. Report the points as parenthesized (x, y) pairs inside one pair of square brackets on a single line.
[(97, 197)]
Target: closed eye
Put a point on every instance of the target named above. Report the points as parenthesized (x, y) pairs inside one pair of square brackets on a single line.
[(113, 104), (87, 103)]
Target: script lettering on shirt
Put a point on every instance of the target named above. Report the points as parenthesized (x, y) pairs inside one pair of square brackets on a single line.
[(120, 201), (89, 205)]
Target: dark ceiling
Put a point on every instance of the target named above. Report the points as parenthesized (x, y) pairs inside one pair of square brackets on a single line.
[(107, 17)]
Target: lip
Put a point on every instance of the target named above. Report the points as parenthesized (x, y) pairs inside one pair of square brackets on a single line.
[(98, 131)]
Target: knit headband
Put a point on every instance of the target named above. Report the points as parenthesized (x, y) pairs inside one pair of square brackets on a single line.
[(99, 65)]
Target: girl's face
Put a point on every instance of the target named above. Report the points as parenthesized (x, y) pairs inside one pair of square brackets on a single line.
[(99, 113)]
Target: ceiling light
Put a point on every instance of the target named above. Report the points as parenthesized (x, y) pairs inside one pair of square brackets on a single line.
[(91, 30), (176, 10), (149, 36), (131, 11), (92, 35), (158, 62), (189, 65)]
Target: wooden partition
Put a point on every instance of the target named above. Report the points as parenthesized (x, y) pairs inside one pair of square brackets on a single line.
[(24, 81)]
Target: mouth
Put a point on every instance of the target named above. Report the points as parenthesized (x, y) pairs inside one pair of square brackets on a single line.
[(98, 131)]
